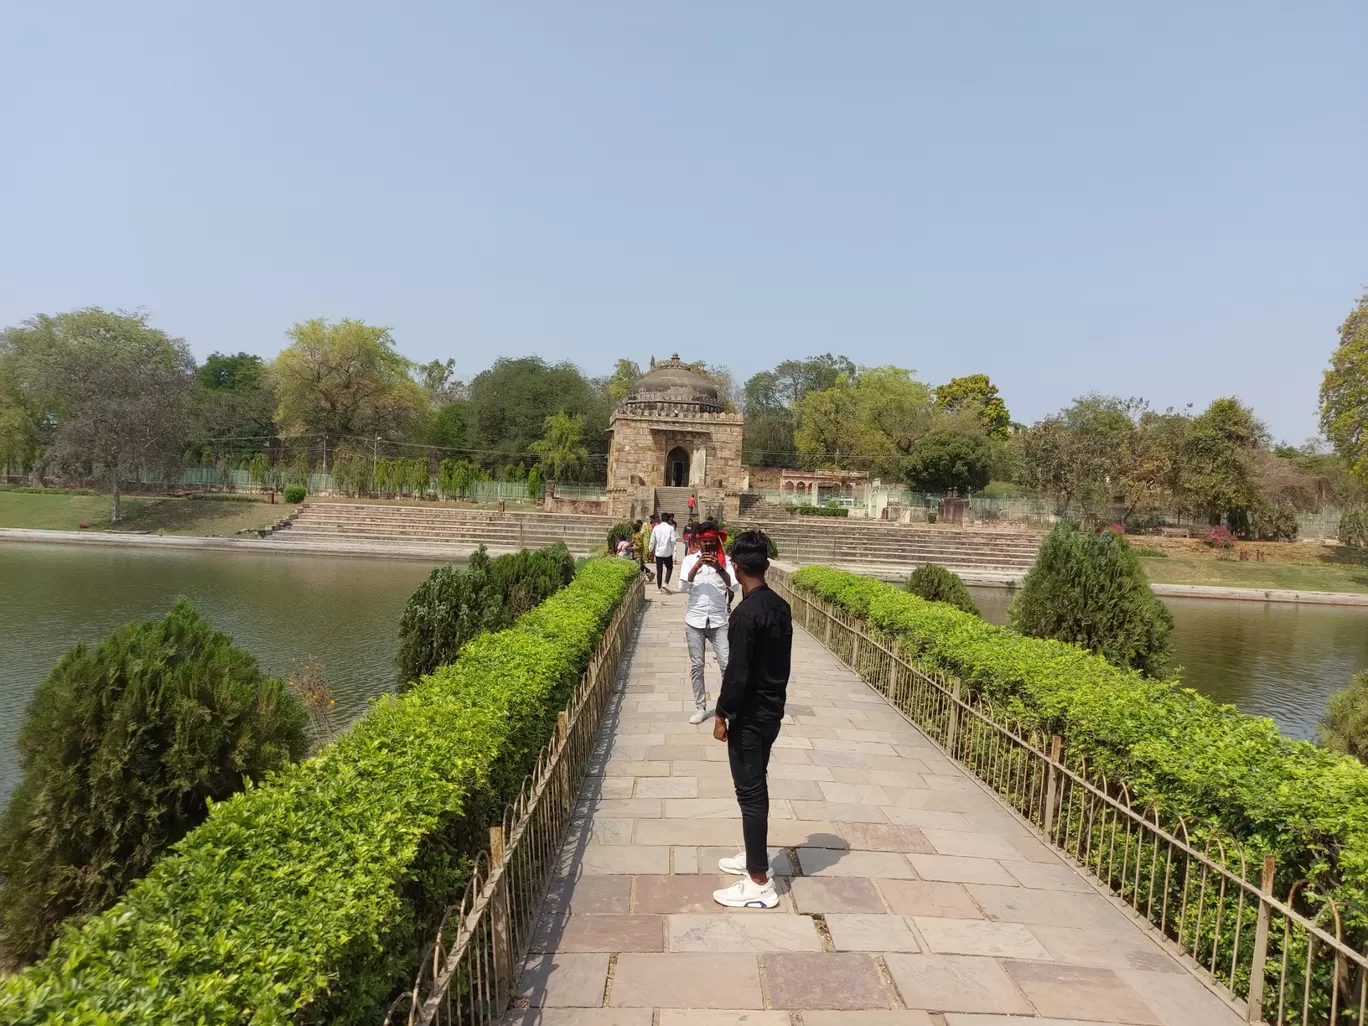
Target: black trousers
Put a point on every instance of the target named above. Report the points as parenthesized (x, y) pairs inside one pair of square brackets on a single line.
[(748, 749), (664, 568)]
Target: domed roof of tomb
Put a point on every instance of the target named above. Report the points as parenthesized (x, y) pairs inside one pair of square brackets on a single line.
[(674, 385)]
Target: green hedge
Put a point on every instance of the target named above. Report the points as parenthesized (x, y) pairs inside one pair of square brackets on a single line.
[(818, 511), (1192, 756), (309, 898)]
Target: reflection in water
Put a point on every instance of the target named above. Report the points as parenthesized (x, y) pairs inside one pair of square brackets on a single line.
[(1269, 659), (284, 609)]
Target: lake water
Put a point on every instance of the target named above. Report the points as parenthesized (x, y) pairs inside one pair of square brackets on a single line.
[(1269, 659), (343, 613)]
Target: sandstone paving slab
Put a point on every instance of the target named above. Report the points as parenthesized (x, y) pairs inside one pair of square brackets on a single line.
[(855, 932), (1047, 908), (600, 933), (839, 812), (911, 776), (854, 794), (708, 858), (696, 832), (607, 787), (979, 845), (835, 894), (1048, 876), (960, 869), (667, 787), (589, 895), (1085, 992), (799, 771), (982, 1019), (799, 790), (928, 898), (564, 978), (661, 895), (885, 837), (813, 833), (927, 818), (835, 980), (756, 933), (867, 1017), (958, 983), (1033, 851), (727, 1017), (1180, 1000), (623, 808), (1109, 949), (820, 862), (612, 831), (579, 1017), (686, 979), (979, 937), (610, 859)]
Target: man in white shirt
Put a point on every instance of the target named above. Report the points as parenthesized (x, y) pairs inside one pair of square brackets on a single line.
[(663, 546), (707, 582)]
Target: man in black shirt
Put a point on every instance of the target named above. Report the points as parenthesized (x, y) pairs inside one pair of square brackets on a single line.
[(749, 708)]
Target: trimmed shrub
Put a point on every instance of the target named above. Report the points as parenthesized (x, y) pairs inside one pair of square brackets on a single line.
[(1090, 590), (455, 604), (295, 493), (624, 529), (1344, 727), (1192, 757), (937, 584), (1353, 527), (309, 899), (818, 511), (126, 744), (1274, 522)]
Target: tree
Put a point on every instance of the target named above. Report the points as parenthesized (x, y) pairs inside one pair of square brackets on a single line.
[(19, 418), (111, 389), (125, 744), (562, 450), (946, 459), (937, 584), (232, 405), (440, 383), (1344, 728), (1344, 392), (1218, 475), (1083, 453), (1089, 589), (619, 384), (345, 379), (976, 391), (872, 421), (769, 399), (510, 401)]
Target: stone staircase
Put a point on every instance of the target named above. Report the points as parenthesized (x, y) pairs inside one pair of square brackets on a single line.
[(868, 546), (676, 501), (452, 531)]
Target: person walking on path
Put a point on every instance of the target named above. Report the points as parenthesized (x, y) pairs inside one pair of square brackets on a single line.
[(663, 546), (641, 540), (707, 585), (750, 707)]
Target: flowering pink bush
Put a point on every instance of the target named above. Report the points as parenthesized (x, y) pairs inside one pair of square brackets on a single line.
[(1220, 538)]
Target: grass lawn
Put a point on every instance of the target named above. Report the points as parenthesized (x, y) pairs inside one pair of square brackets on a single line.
[(143, 515), (1325, 576)]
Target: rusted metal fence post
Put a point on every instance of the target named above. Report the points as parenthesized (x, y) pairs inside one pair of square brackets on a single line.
[(952, 724), (499, 926), (1254, 1006), (1052, 785)]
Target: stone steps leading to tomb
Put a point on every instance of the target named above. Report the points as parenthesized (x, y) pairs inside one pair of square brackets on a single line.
[(676, 501), (853, 543)]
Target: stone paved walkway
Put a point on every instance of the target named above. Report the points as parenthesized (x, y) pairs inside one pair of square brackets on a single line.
[(916, 898)]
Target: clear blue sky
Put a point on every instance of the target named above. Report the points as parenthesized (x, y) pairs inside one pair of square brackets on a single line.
[(1167, 201)]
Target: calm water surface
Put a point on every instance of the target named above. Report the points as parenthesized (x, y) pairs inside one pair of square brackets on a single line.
[(340, 612), (1268, 659), (343, 613)]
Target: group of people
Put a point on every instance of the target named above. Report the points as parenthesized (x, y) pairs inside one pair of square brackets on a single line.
[(753, 646)]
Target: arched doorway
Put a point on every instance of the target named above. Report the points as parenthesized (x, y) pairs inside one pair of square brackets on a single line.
[(677, 468)]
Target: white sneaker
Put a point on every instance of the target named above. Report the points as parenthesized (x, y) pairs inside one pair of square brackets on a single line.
[(699, 716), (746, 893), (736, 864)]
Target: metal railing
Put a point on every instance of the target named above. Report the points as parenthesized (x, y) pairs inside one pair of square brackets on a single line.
[(468, 973), (1282, 960)]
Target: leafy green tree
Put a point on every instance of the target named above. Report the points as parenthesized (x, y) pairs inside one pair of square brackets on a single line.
[(937, 584), (455, 604), (619, 384), (1344, 392), (125, 745), (945, 459), (1218, 474), (1083, 453), (1089, 589), (1353, 527), (345, 379), (562, 450), (20, 425), (1344, 728), (510, 401), (871, 422), (111, 390), (769, 399), (534, 484), (232, 406), (977, 392)]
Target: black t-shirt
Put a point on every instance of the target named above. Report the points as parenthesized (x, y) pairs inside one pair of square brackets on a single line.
[(760, 636)]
